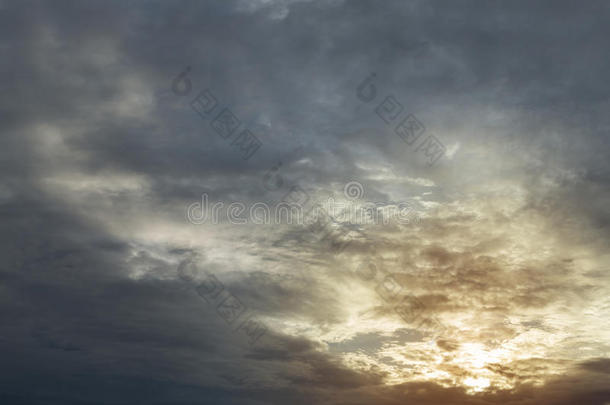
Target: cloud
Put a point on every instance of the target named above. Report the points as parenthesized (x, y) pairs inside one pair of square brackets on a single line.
[(100, 159)]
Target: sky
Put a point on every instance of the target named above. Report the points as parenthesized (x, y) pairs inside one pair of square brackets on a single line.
[(447, 166)]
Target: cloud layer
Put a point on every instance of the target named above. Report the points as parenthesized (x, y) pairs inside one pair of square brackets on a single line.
[(497, 294)]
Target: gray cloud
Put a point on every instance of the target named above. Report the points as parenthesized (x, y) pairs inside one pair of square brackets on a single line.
[(100, 159)]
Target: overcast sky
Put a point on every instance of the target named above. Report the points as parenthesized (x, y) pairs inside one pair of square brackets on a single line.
[(486, 122)]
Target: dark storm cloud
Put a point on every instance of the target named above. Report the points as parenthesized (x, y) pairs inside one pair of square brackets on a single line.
[(598, 365)]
